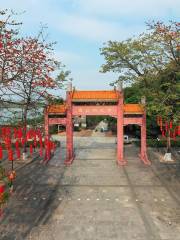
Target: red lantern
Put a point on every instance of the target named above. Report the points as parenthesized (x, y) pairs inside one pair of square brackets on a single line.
[(178, 131), (31, 149), (17, 144), (10, 155), (12, 175), (28, 135), (163, 133), (2, 188), (15, 133), (1, 152), (20, 134), (40, 140), (171, 135), (23, 141), (8, 142), (41, 152)]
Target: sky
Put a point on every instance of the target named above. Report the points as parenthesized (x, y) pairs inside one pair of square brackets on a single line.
[(80, 27)]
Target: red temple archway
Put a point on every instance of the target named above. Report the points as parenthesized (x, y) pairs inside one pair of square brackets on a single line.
[(102, 103)]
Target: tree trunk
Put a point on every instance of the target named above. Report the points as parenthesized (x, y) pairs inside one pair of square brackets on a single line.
[(168, 150), (25, 127)]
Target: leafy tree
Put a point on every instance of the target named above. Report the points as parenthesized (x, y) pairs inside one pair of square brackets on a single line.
[(151, 62), (9, 49), (140, 59), (26, 69)]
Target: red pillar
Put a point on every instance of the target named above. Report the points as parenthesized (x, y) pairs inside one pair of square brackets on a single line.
[(69, 130), (143, 154), (120, 131)]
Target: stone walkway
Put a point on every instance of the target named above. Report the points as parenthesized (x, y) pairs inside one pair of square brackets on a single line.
[(94, 199)]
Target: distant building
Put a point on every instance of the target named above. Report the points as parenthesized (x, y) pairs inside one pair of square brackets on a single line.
[(80, 121)]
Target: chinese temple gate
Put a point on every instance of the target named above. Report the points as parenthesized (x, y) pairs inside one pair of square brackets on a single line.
[(91, 103)]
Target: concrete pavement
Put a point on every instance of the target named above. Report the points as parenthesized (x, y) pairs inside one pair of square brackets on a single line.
[(94, 198)]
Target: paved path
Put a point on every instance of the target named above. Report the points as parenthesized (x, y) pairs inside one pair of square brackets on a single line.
[(94, 199)]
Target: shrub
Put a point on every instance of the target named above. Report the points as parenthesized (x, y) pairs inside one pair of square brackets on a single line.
[(160, 143)]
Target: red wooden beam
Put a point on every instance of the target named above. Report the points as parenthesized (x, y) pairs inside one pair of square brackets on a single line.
[(53, 121), (94, 110), (133, 120)]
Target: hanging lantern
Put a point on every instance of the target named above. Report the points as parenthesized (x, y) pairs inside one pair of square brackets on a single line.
[(40, 152), (40, 140), (163, 133), (161, 123), (1, 152), (31, 149), (8, 142), (20, 133), (10, 155), (15, 133), (35, 141), (178, 131), (12, 175), (8, 131), (2, 188), (17, 144), (28, 136), (170, 125), (166, 126), (23, 141)]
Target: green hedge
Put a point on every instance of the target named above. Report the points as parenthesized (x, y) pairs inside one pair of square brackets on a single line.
[(161, 143)]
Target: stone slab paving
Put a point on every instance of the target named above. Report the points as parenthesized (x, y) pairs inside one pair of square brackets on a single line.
[(94, 199)]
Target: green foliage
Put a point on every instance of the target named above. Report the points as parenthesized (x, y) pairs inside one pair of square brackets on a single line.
[(160, 143), (132, 94), (55, 100), (151, 63), (164, 94)]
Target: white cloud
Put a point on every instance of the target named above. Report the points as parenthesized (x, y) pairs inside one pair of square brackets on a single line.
[(92, 80), (92, 28), (91, 20), (74, 24), (84, 20), (68, 57)]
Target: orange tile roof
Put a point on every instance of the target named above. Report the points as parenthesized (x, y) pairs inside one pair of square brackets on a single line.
[(56, 108), (95, 95), (133, 108)]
